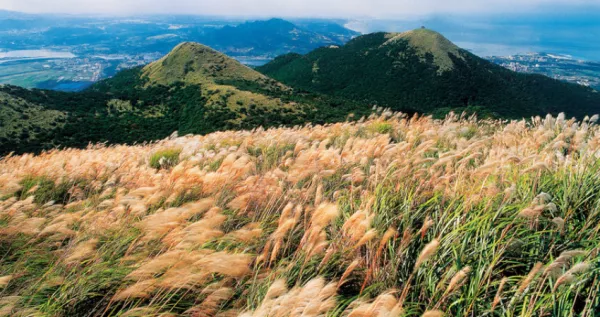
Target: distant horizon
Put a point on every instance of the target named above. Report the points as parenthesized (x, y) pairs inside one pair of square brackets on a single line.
[(573, 32), (325, 9)]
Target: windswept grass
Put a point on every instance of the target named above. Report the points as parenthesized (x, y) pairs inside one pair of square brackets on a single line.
[(386, 216)]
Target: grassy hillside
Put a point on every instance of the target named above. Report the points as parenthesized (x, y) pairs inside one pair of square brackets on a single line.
[(195, 63), (23, 121), (427, 42), (214, 73), (121, 114), (391, 216), (422, 71)]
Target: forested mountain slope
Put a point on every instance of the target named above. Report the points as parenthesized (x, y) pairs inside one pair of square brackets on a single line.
[(422, 71)]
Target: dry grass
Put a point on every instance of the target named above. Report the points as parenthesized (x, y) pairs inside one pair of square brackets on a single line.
[(454, 217)]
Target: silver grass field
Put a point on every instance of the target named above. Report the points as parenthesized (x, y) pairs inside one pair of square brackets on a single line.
[(382, 217)]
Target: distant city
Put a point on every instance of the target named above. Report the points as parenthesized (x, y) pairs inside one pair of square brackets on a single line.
[(66, 73), (557, 66)]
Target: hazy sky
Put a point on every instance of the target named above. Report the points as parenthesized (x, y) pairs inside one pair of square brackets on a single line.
[(298, 8)]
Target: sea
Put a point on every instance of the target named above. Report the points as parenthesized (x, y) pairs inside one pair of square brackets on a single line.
[(574, 33)]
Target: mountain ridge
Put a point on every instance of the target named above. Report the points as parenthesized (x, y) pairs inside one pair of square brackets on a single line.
[(197, 90), (429, 41), (197, 63), (273, 37), (216, 74)]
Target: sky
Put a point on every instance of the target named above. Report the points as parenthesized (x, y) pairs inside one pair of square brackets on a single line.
[(297, 8)]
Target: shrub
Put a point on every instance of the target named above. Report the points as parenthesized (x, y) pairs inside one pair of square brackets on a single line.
[(45, 190), (166, 158), (381, 127)]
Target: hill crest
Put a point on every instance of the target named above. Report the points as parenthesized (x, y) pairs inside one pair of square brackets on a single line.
[(197, 63), (426, 41)]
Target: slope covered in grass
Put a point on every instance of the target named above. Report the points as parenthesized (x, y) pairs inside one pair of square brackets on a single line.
[(24, 121), (216, 75), (427, 42), (196, 63), (389, 216)]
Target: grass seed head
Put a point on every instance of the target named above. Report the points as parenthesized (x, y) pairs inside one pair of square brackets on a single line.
[(428, 251)]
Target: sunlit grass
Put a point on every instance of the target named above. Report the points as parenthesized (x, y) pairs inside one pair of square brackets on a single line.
[(386, 216)]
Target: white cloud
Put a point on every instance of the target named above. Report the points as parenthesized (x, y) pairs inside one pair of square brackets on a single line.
[(298, 8)]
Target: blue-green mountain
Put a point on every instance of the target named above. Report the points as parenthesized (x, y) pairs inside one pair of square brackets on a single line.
[(422, 71)]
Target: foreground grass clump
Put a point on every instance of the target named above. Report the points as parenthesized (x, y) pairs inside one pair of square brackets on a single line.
[(387, 216), (166, 158)]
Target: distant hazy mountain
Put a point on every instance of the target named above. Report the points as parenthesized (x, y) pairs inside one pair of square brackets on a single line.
[(422, 71), (105, 45), (275, 37), (136, 35), (332, 28)]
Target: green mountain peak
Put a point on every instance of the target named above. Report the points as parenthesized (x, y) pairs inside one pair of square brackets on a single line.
[(195, 63), (218, 76), (426, 41)]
